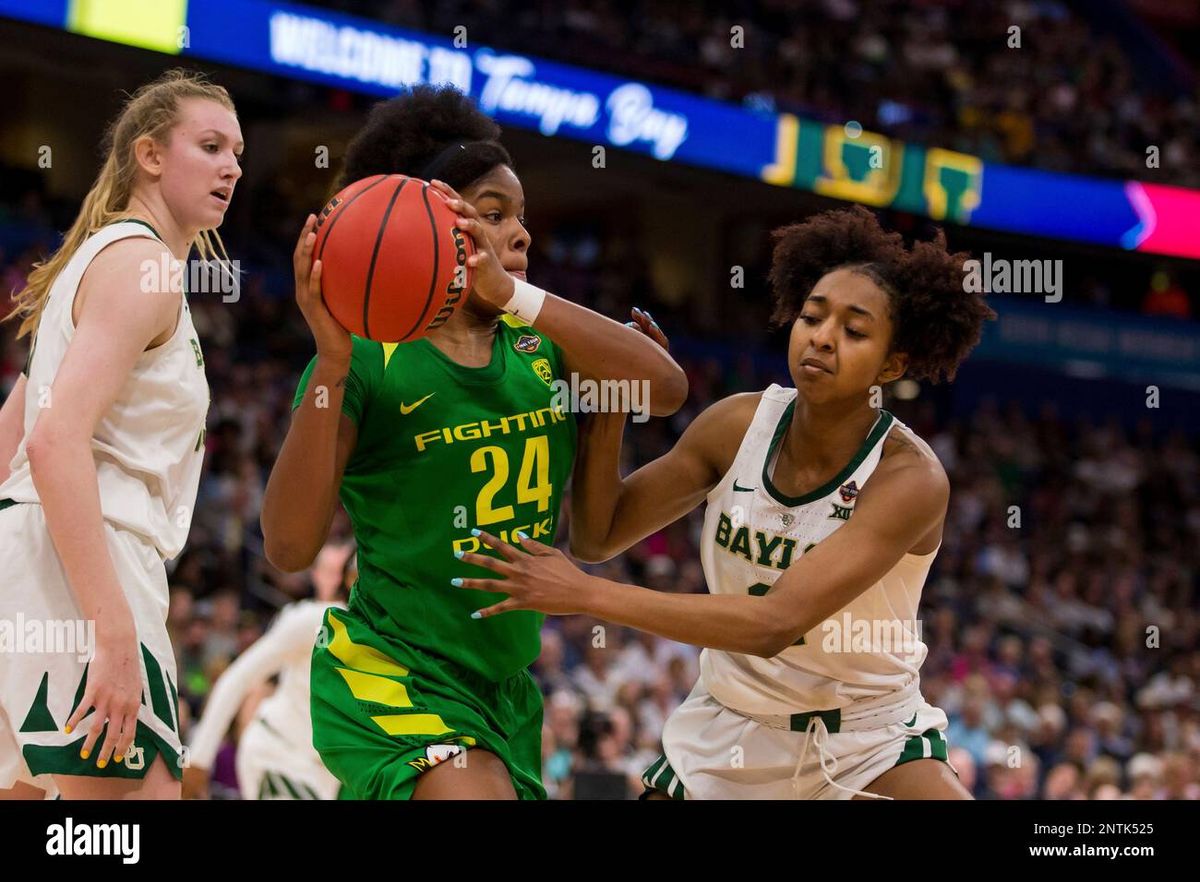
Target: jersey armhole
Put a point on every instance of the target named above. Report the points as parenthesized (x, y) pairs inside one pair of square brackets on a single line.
[(69, 308), (733, 473)]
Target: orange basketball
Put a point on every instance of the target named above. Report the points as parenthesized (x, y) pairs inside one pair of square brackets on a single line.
[(394, 265)]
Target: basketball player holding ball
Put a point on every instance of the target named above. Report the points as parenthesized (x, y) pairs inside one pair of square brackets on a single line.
[(428, 442), (822, 509)]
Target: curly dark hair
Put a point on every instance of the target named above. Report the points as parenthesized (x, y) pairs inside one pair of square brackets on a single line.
[(426, 132), (935, 321)]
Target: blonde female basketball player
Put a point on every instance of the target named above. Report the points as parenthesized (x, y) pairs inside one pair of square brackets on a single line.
[(105, 438), (824, 515)]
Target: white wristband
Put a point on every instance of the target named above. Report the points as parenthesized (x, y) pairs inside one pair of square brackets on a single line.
[(526, 301)]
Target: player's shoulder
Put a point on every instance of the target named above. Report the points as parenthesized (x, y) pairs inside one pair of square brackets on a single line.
[(143, 258), (734, 411), (118, 277), (907, 455), (720, 428), (370, 356)]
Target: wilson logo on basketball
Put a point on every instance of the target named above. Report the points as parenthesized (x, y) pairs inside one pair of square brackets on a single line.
[(328, 210), (454, 290)]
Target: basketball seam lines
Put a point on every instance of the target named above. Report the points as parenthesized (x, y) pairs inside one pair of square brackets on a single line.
[(374, 256), (434, 278), (349, 202)]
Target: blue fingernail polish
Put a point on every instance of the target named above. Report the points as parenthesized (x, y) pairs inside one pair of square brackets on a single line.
[(522, 535), (456, 582), (476, 531), (477, 615), (459, 554)]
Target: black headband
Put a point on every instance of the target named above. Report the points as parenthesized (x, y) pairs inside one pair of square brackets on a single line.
[(435, 166)]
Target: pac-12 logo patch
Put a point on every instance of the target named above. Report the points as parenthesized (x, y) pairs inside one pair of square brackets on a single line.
[(848, 491), (528, 343), (541, 367)]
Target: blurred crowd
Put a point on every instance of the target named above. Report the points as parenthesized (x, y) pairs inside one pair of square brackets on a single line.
[(1054, 94)]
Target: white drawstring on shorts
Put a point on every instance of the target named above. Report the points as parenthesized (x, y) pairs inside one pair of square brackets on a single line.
[(818, 733)]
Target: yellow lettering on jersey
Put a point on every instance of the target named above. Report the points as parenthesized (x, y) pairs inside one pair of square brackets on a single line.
[(501, 426), (470, 544), (473, 431)]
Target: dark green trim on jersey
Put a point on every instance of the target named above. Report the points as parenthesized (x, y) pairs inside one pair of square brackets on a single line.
[(276, 785), (39, 718), (914, 747), (159, 701), (6, 503), (132, 220), (662, 778), (64, 759), (882, 423), (832, 718)]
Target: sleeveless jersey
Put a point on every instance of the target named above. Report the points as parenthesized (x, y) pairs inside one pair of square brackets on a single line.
[(752, 533), (443, 449), (149, 446)]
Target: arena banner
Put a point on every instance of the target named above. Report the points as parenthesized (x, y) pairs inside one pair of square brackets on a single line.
[(839, 161), (1094, 345)]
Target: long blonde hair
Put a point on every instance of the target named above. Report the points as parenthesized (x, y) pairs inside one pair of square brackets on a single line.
[(151, 111)]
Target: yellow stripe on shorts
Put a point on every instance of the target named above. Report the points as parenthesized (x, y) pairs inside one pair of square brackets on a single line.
[(358, 657), (371, 687), (412, 724)]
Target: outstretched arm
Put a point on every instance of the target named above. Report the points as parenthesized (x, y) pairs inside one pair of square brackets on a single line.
[(610, 513), (902, 503)]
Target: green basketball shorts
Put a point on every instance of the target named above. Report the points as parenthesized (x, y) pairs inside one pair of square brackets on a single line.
[(384, 712)]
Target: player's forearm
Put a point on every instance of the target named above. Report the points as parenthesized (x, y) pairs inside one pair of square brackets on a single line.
[(596, 486), (731, 623), (301, 493), (607, 350), (64, 475)]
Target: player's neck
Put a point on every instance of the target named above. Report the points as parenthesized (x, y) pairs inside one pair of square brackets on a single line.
[(156, 214), (826, 436), (467, 337)]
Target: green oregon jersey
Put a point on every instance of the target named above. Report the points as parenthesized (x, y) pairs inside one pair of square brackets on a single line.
[(443, 449)]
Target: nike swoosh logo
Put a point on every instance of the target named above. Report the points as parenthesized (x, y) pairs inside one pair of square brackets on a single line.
[(406, 409), (737, 489)]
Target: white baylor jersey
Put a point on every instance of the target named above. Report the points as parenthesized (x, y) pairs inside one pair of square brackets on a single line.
[(752, 533), (148, 447)]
